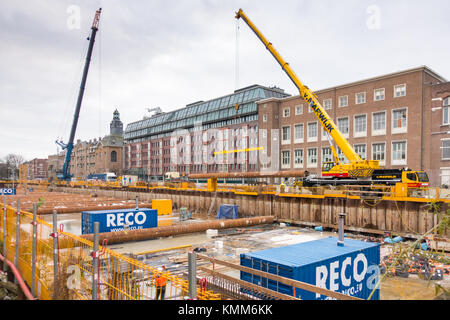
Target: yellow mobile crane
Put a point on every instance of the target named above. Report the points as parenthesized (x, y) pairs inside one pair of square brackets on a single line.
[(357, 170)]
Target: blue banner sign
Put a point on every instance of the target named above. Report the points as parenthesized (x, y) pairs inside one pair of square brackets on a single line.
[(7, 191)]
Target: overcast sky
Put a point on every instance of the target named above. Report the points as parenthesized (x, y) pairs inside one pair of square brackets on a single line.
[(170, 53)]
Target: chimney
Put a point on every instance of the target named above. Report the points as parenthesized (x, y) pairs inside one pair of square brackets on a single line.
[(341, 229)]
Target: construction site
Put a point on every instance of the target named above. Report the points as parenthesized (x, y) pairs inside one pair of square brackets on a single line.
[(227, 210)]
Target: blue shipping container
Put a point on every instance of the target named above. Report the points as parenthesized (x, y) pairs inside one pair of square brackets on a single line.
[(351, 269), (115, 220)]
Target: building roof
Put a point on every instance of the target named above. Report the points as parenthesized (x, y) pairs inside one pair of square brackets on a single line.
[(204, 111), (385, 76), (381, 77), (112, 141)]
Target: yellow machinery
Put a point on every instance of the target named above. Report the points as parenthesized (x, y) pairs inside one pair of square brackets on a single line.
[(164, 206), (357, 170), (357, 167)]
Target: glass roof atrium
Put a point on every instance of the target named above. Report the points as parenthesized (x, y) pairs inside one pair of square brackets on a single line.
[(212, 111)]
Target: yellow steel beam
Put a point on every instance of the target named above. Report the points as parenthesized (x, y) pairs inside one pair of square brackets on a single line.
[(164, 249), (238, 150)]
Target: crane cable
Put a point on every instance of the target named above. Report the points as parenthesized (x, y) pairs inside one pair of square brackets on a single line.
[(63, 124), (236, 58), (99, 82)]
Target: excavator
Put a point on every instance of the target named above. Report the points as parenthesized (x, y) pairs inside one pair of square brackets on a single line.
[(356, 171)]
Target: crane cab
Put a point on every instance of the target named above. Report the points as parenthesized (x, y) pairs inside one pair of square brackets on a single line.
[(415, 179)]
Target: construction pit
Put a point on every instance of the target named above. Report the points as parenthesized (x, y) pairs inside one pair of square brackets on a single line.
[(225, 244)]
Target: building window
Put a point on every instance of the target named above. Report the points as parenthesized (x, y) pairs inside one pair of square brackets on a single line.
[(360, 98), (379, 123), (298, 158), (445, 149), (286, 112), (360, 149), (399, 120), (327, 104), (286, 134), (445, 111), (343, 126), (312, 158), (343, 101), (445, 177), (327, 155), (341, 155), (378, 94), (286, 158), (312, 131), (298, 133), (379, 152), (298, 109), (400, 90), (264, 117), (399, 153), (113, 156), (360, 127)]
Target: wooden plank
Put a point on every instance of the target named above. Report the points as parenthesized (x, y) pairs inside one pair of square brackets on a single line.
[(287, 281), (248, 284)]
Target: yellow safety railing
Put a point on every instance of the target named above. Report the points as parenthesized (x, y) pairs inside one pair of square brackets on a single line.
[(378, 191), (119, 277)]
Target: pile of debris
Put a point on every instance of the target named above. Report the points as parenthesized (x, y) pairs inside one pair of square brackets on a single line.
[(425, 265), (8, 290)]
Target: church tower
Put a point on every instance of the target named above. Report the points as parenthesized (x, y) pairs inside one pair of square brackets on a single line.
[(116, 126)]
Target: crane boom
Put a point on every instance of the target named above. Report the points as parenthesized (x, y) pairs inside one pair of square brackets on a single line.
[(65, 174), (306, 94), (357, 166)]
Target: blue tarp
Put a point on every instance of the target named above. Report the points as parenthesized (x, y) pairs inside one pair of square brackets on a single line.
[(227, 211)]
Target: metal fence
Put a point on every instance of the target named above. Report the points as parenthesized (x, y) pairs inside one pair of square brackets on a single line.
[(59, 265)]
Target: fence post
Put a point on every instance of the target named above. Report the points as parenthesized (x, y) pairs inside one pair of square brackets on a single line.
[(55, 252), (16, 257), (95, 262), (192, 275), (33, 252), (5, 265)]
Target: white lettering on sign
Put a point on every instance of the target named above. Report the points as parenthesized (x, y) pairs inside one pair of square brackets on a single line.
[(330, 280), (7, 191), (120, 219)]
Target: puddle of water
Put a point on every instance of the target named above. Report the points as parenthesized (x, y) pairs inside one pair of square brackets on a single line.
[(395, 288)]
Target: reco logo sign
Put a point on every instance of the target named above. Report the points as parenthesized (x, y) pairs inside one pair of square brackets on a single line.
[(130, 218), (7, 191), (348, 269)]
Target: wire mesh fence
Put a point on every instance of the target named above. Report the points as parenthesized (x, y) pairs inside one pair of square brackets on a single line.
[(118, 277)]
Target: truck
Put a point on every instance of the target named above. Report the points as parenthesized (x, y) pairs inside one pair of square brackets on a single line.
[(356, 171), (107, 176)]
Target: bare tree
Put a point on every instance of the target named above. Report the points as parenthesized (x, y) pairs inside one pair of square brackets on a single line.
[(12, 163)]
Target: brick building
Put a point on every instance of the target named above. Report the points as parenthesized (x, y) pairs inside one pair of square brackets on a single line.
[(54, 163), (94, 156), (186, 140), (400, 119), (438, 156), (37, 169)]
